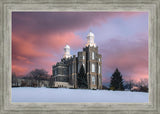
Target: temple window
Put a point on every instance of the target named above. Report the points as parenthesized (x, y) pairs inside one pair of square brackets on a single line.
[(92, 55), (93, 67), (93, 80), (83, 57), (99, 70)]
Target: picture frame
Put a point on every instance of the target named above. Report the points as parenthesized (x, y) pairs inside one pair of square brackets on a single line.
[(6, 9)]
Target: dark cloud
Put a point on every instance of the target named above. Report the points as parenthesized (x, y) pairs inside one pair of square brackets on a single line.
[(131, 57), (38, 39)]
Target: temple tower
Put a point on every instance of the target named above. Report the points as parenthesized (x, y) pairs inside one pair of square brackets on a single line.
[(67, 52), (93, 63), (65, 73), (90, 40)]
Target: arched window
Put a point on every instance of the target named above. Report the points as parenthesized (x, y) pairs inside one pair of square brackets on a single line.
[(99, 69), (99, 81), (55, 72), (92, 55), (93, 80), (83, 57), (93, 67)]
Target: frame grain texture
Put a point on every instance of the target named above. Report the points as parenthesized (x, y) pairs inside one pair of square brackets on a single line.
[(8, 6)]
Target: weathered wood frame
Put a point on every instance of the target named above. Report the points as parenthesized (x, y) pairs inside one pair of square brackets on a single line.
[(151, 6)]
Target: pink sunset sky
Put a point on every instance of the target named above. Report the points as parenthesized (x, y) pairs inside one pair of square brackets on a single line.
[(38, 39)]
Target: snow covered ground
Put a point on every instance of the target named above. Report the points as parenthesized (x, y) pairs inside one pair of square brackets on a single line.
[(57, 95)]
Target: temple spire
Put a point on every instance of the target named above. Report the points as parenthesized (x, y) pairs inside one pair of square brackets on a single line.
[(67, 52), (90, 39)]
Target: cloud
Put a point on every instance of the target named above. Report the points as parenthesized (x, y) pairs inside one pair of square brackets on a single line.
[(31, 52), (19, 70), (59, 22), (57, 42), (131, 57), (38, 39)]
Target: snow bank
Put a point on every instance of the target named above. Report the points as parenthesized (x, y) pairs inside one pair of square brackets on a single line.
[(29, 94)]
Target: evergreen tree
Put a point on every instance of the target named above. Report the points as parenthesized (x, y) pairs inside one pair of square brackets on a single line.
[(82, 78), (116, 81)]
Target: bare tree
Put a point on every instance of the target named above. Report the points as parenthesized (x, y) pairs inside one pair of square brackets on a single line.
[(38, 75), (143, 85), (129, 84), (143, 82)]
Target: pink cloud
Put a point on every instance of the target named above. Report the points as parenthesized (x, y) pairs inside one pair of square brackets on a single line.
[(38, 40), (19, 70), (58, 41), (131, 58), (59, 22), (35, 54), (25, 47)]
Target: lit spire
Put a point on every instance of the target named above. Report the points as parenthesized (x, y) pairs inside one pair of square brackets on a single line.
[(67, 52), (90, 39)]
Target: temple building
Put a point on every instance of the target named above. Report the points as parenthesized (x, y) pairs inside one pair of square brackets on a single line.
[(65, 72)]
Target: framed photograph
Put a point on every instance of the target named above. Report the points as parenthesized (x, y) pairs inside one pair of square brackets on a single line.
[(80, 57)]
